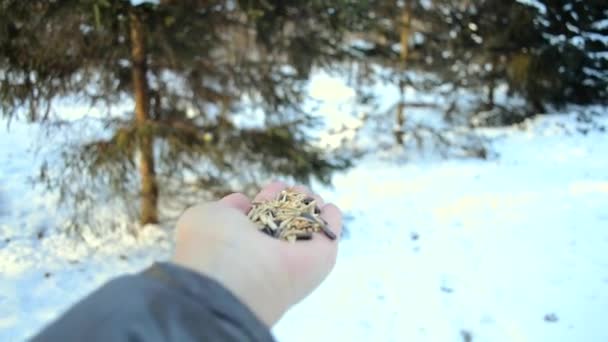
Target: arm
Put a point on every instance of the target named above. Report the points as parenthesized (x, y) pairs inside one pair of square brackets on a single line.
[(228, 281), (164, 303)]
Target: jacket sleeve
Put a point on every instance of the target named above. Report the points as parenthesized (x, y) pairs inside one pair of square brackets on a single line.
[(163, 303)]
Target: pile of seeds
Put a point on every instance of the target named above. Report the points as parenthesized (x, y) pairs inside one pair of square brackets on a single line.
[(291, 216)]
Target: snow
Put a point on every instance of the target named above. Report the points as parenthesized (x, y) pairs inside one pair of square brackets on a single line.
[(598, 37), (510, 249), (41, 270), (600, 25), (485, 247), (333, 102), (540, 7), (138, 2), (593, 72)]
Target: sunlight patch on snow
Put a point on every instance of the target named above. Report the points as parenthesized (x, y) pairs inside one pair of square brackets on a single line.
[(7, 321), (470, 209), (326, 88), (335, 104), (589, 187)]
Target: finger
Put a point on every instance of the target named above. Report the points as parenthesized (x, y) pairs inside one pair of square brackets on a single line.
[(270, 191), (316, 253), (305, 190), (333, 216), (309, 262), (237, 201)]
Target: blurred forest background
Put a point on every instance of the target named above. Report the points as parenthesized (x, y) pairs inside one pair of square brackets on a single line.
[(216, 91)]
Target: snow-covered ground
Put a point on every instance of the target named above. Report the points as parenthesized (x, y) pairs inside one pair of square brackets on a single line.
[(507, 250), (510, 249)]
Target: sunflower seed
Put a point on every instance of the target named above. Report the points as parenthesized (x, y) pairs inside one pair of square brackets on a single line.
[(309, 217), (328, 232), (304, 236), (308, 200), (292, 216)]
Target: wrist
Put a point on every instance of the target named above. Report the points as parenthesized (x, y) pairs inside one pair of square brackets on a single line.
[(250, 281)]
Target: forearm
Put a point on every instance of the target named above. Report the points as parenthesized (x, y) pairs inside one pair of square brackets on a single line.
[(164, 303)]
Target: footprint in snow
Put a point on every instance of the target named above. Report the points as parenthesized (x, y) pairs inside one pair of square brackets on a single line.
[(551, 318)]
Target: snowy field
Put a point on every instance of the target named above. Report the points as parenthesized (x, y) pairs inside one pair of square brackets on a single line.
[(509, 249)]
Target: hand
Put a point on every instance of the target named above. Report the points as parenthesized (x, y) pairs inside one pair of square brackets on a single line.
[(267, 274)]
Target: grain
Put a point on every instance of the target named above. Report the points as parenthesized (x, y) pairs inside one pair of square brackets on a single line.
[(292, 216)]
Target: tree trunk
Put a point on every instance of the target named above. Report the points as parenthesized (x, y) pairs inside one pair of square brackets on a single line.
[(149, 188), (406, 18), (491, 88), (492, 84), (406, 24)]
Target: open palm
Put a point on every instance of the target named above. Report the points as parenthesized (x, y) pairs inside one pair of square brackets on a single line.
[(269, 275)]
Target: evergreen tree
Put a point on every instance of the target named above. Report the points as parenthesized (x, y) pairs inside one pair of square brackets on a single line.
[(570, 64), (546, 52), (217, 88)]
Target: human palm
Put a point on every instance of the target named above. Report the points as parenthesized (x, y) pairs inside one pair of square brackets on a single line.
[(267, 274)]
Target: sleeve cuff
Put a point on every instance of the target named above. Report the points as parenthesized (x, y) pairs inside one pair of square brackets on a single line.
[(207, 290)]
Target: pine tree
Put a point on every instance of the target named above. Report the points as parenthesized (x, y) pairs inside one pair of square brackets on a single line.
[(548, 53), (571, 62), (217, 89)]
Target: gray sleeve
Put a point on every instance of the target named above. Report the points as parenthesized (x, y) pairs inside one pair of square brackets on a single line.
[(163, 303)]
